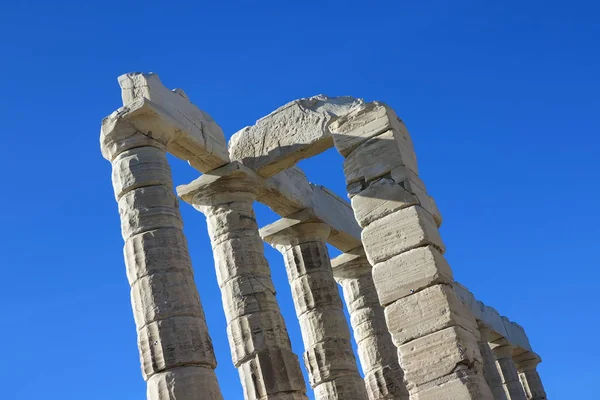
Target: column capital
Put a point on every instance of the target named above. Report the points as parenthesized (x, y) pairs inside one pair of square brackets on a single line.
[(222, 185), (485, 331), (527, 361), (503, 348), (350, 265), (300, 227)]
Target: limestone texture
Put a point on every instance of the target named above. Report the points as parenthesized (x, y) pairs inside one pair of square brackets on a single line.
[(384, 379), (175, 347), (297, 130), (258, 338), (420, 334), (328, 356)]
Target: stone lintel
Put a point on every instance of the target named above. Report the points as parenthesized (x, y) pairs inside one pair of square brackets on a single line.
[(350, 265), (171, 119), (497, 328), (295, 131), (294, 228), (226, 179)]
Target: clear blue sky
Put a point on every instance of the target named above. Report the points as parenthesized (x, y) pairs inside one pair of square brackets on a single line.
[(501, 99)]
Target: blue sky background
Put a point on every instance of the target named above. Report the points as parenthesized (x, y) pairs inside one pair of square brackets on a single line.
[(501, 99)]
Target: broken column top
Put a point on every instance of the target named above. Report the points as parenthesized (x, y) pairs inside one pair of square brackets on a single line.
[(297, 130)]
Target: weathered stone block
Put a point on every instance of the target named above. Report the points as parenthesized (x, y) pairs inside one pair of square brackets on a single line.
[(386, 383), (380, 199), (239, 256), (143, 166), (348, 387), (410, 272), (461, 385), (430, 310), (321, 325), (156, 251), (170, 118), (316, 290), (329, 360), (259, 375), (438, 354), (375, 351), (363, 123), (165, 295), (378, 156), (148, 208), (184, 383), (291, 133), (174, 342), (252, 333), (368, 321), (398, 232), (248, 294)]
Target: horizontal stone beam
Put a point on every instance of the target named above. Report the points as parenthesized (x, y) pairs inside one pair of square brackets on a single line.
[(169, 118), (287, 193), (501, 327), (295, 131)]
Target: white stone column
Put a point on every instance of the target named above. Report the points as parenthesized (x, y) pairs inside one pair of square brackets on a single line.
[(490, 370), (401, 240), (384, 379), (175, 347), (508, 370), (530, 379), (329, 359), (258, 338)]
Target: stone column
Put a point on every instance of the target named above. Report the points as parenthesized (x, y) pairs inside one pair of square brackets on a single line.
[(508, 370), (401, 240), (384, 379), (175, 347), (258, 338), (490, 371), (328, 356), (530, 379)]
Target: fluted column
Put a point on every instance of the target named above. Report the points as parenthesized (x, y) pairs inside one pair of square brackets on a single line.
[(508, 370), (401, 240), (329, 359), (530, 378), (490, 370), (258, 338), (176, 351), (384, 379)]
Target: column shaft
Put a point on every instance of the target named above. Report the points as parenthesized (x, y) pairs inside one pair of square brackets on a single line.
[(530, 378), (434, 332), (508, 371), (490, 371), (176, 351), (258, 337), (376, 351), (329, 359)]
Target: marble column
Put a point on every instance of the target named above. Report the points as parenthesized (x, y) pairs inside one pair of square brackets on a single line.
[(329, 359), (503, 351), (490, 370), (175, 347), (258, 338), (402, 242), (530, 378), (384, 379)]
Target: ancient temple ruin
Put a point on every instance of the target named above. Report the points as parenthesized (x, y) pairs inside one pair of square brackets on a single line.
[(420, 334)]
